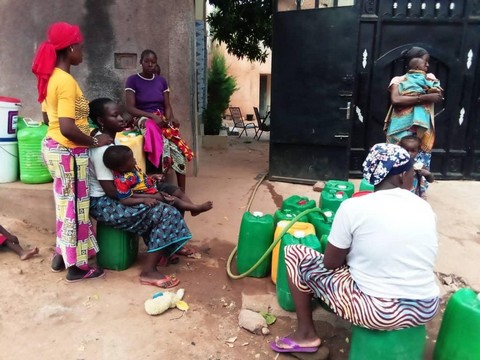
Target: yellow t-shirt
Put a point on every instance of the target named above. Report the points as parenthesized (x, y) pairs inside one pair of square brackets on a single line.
[(65, 100)]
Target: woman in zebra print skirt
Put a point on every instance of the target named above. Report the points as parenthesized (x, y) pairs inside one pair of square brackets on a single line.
[(377, 271)]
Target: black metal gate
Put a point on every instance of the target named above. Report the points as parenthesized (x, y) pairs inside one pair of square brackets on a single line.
[(330, 71)]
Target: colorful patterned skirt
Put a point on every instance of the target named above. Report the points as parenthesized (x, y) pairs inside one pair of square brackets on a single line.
[(338, 290), (174, 150), (173, 157), (69, 169), (161, 226)]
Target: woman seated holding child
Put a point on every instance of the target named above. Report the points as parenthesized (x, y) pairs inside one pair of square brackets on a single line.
[(161, 226)]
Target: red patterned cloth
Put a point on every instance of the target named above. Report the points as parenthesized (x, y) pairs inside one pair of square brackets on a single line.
[(173, 134)]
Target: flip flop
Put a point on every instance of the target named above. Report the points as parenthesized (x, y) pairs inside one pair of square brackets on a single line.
[(165, 261), (185, 251), (173, 259), (92, 273), (292, 346), (166, 283)]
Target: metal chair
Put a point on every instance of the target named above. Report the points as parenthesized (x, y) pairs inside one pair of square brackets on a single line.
[(239, 123), (262, 126)]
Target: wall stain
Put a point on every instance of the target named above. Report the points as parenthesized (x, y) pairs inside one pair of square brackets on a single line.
[(102, 81)]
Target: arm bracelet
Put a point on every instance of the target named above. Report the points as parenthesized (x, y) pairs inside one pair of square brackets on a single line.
[(94, 142)]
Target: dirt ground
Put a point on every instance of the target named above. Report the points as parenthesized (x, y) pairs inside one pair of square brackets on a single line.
[(43, 317)]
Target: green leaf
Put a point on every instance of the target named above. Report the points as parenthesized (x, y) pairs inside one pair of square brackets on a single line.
[(269, 318)]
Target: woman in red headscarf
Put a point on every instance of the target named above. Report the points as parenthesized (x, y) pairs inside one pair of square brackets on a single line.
[(66, 148)]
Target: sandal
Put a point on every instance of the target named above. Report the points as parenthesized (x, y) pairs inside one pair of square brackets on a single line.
[(166, 283), (167, 260), (185, 251), (93, 273), (291, 346), (57, 264), (173, 259)]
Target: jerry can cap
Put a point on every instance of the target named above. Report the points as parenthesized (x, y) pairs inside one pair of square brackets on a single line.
[(282, 223)]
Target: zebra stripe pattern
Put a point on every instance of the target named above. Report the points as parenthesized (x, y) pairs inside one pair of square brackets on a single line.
[(338, 290)]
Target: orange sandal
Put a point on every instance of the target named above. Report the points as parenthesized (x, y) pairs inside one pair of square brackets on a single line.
[(166, 283)]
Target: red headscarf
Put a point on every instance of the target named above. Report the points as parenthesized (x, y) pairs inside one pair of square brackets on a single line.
[(59, 36)]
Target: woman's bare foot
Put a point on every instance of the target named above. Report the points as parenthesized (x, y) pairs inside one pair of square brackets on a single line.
[(155, 278), (27, 254), (202, 208)]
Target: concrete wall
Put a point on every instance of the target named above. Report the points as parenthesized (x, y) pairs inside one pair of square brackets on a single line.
[(109, 27), (247, 74)]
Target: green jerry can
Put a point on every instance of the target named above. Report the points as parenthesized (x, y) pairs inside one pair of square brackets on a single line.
[(403, 344), (118, 248), (459, 335), (330, 199), (340, 185), (322, 222), (297, 204), (254, 239), (284, 296), (30, 136), (365, 186), (287, 215)]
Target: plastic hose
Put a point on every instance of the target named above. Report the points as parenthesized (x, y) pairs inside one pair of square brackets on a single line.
[(275, 241)]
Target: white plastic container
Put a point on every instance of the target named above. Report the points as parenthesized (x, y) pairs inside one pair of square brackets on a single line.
[(8, 118), (9, 161)]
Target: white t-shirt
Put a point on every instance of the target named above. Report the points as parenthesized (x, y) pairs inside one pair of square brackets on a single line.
[(392, 237), (98, 171)]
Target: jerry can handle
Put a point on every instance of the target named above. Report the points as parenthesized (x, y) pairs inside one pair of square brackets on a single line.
[(29, 122)]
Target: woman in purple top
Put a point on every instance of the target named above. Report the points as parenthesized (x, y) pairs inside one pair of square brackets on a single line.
[(148, 97)]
